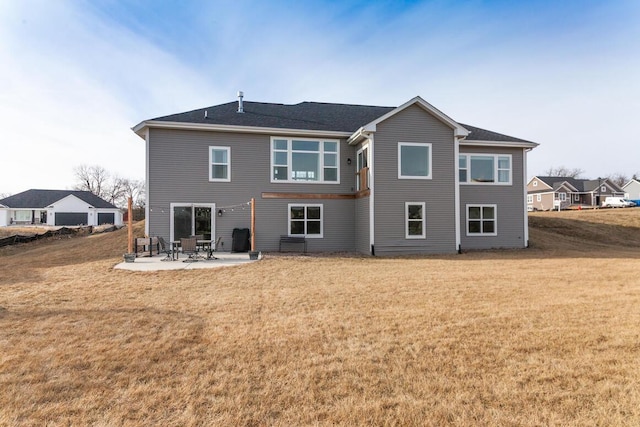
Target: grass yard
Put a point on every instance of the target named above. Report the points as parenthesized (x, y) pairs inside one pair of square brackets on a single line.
[(544, 336)]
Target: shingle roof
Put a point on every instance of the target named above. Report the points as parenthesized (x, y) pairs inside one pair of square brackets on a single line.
[(34, 199), (305, 115), (478, 134), (583, 185)]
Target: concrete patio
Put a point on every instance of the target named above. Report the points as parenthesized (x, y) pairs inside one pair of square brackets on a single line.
[(160, 262)]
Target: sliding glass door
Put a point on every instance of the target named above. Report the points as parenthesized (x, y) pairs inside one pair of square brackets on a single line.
[(191, 219)]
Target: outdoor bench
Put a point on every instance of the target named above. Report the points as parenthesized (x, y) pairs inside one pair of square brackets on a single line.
[(147, 246), (291, 240)]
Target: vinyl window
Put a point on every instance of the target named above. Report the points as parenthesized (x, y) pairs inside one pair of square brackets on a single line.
[(485, 169), (305, 160), (414, 160), (415, 220), (482, 220), (305, 220), (220, 164)]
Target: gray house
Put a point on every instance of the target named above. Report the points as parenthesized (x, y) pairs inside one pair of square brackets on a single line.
[(553, 192), (376, 180)]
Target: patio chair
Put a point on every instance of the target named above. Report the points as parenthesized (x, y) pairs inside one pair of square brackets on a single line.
[(166, 249), (214, 248), (199, 237), (189, 247)]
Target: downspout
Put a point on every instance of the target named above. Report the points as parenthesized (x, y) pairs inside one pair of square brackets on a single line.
[(456, 179), (147, 209), (369, 136), (524, 191)]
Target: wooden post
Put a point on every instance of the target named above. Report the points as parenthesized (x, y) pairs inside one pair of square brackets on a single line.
[(130, 224), (253, 224)]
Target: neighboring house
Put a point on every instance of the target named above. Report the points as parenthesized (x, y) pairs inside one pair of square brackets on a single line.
[(632, 189), (550, 192), (376, 180), (58, 207)]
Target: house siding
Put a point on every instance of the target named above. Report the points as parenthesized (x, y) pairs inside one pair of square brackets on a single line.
[(362, 225), (632, 190), (509, 200), (179, 173), (414, 124)]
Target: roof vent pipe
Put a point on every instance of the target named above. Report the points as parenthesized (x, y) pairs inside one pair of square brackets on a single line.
[(240, 108)]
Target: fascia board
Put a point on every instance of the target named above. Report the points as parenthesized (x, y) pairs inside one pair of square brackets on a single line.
[(138, 129), (361, 134), (459, 131), (512, 144), (631, 181)]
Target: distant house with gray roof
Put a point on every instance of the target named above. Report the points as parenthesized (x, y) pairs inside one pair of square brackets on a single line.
[(552, 192), (371, 179), (57, 207)]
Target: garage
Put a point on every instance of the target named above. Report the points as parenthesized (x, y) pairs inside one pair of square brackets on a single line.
[(106, 218), (71, 218)]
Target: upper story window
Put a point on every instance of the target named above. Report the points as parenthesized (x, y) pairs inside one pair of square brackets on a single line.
[(485, 169), (414, 160), (220, 164), (304, 160)]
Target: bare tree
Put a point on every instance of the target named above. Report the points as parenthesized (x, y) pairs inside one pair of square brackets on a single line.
[(134, 189), (564, 171), (92, 178), (618, 179), (110, 187), (4, 195)]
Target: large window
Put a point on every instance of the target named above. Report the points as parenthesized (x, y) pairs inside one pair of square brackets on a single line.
[(305, 220), (220, 164), (23, 216), (304, 160), (484, 169), (415, 225), (482, 220), (414, 160)]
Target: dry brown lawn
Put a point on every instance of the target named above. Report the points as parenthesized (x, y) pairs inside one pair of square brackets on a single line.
[(544, 336)]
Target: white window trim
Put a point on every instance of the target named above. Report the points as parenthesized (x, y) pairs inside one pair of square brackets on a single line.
[(539, 197), (576, 197), (192, 205), (529, 198), (406, 220), (305, 205), (535, 183), (228, 150), (495, 169), (414, 144), (290, 162), (495, 219), (562, 197)]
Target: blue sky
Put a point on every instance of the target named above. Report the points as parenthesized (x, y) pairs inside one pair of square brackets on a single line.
[(76, 76)]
